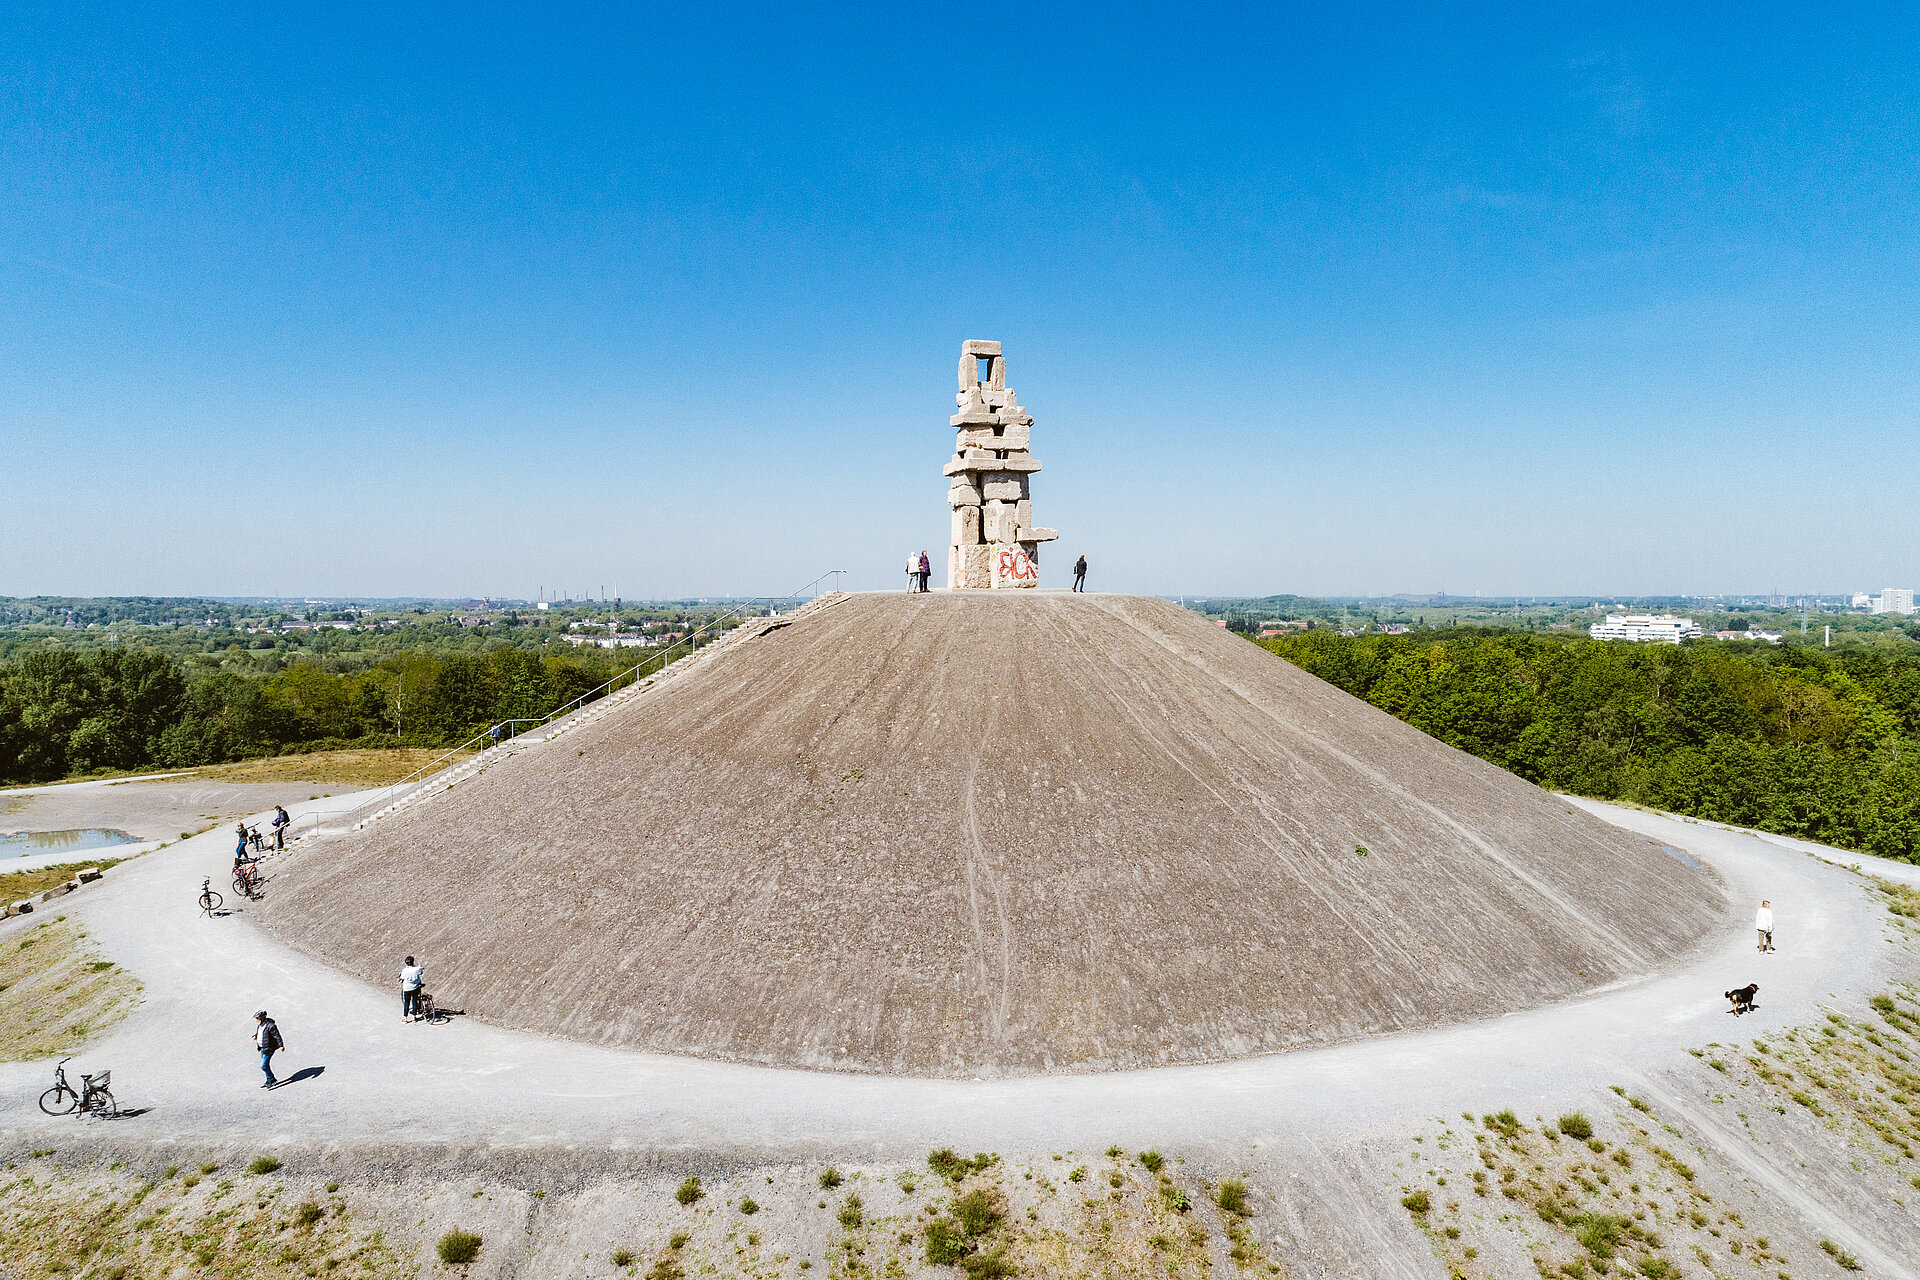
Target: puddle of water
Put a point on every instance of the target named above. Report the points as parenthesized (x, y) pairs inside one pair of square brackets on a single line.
[(1675, 853), (19, 844)]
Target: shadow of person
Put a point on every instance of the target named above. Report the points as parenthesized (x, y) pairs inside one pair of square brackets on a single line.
[(304, 1073)]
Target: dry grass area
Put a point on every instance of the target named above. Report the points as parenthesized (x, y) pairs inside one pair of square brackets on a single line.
[(116, 1226), (15, 885), (335, 768), (958, 1218), (1631, 1192), (977, 1217), (56, 990)]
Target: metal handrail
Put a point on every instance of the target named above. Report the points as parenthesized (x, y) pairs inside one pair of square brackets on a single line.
[(419, 776)]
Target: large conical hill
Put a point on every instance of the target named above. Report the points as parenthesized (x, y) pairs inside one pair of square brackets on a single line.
[(993, 834)]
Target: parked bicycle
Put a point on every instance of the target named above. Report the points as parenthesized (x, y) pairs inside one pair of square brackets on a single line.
[(209, 900), (246, 879), (94, 1098)]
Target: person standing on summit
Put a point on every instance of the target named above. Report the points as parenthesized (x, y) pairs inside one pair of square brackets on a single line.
[(926, 571), (1763, 921), (913, 572), (1080, 574)]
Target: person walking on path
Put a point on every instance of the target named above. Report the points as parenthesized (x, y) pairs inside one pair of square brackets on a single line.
[(913, 572), (1763, 921), (412, 976), (926, 571), (1080, 574), (266, 1038), (280, 824)]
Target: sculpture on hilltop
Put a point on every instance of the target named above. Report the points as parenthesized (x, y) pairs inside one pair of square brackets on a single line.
[(994, 543)]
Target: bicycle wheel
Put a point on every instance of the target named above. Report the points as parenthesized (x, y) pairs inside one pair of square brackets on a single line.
[(242, 888), (101, 1103), (50, 1101), (210, 901)]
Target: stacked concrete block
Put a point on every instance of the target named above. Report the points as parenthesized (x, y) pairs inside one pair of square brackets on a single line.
[(995, 545)]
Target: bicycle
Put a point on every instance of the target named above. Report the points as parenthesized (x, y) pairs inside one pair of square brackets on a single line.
[(209, 900), (94, 1097), (246, 880)]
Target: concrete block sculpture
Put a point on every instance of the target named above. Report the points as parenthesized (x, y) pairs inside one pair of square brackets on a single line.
[(995, 545)]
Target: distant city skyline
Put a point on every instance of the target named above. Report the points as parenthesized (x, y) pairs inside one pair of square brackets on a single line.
[(1514, 302)]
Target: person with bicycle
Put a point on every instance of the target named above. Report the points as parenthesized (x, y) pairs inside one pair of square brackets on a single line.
[(280, 824), (412, 978)]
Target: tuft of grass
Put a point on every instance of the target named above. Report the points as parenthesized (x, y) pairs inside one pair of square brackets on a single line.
[(678, 1240), (952, 1167), (1174, 1198), (1505, 1123), (333, 1186), (208, 1167), (621, 1258), (987, 1266), (747, 1206), (1844, 1260), (850, 1212), (947, 1242), (263, 1165), (1115, 1153), (458, 1247), (1417, 1203), (1151, 1161), (1575, 1125), (1232, 1196), (830, 1178), (689, 1190), (308, 1213), (977, 1211)]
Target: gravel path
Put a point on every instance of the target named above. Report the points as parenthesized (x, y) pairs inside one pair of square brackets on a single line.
[(183, 1057)]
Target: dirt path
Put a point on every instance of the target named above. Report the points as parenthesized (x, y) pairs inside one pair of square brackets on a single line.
[(184, 1054)]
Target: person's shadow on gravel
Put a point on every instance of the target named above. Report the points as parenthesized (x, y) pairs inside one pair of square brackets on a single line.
[(304, 1073)]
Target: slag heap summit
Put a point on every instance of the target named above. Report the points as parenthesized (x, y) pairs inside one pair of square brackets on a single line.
[(994, 543), (990, 833)]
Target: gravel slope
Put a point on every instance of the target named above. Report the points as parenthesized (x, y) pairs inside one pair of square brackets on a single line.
[(994, 835)]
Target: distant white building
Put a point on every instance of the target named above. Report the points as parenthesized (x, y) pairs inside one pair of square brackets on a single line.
[(1645, 628), (1861, 600), (1764, 637), (1893, 600)]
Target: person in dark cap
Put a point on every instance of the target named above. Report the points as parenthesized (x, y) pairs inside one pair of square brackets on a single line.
[(266, 1038)]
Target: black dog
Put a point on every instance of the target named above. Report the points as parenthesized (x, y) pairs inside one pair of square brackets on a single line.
[(1742, 997)]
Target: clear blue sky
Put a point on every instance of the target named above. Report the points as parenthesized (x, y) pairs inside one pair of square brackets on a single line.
[(412, 299)]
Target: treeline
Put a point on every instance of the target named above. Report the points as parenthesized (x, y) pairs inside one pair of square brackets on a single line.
[(1797, 740), (65, 713)]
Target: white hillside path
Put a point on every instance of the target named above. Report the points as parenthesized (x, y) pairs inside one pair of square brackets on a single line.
[(184, 1055)]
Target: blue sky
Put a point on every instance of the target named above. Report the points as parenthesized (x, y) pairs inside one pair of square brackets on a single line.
[(424, 300)]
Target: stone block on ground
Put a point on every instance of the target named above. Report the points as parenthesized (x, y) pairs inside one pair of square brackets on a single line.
[(57, 891), (24, 907), (88, 875)]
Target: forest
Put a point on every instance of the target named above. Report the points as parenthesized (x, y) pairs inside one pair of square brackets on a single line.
[(1820, 744), (65, 713)]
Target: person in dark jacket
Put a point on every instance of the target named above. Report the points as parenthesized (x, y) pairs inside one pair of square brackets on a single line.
[(266, 1038), (1080, 574), (926, 570)]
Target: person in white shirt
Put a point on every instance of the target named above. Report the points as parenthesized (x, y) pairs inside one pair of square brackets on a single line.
[(1763, 921), (412, 977)]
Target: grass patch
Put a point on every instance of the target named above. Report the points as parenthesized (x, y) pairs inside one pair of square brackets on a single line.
[(349, 768), (850, 1212), (748, 1206), (15, 885), (830, 1178), (621, 1258), (1575, 1125), (948, 1165), (1151, 1161), (53, 997), (262, 1165), (457, 1247), (690, 1190), (1232, 1197), (1844, 1260)]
